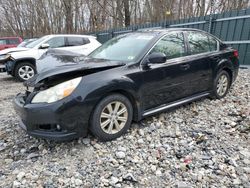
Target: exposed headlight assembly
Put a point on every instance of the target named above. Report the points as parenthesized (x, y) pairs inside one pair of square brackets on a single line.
[(57, 92), (4, 57)]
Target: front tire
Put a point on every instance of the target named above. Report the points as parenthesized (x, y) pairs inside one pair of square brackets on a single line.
[(24, 71), (221, 85), (111, 118)]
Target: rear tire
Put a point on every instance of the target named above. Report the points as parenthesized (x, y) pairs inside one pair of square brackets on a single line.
[(24, 71), (222, 84), (111, 118)]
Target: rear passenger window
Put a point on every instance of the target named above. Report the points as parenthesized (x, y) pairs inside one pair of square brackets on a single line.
[(77, 41), (213, 43), (172, 46), (198, 42), (13, 41)]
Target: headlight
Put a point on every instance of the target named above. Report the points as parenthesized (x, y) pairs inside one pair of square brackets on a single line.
[(57, 92), (4, 57)]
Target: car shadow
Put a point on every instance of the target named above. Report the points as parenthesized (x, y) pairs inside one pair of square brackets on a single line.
[(8, 78)]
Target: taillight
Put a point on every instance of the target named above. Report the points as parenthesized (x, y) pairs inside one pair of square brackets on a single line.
[(236, 54)]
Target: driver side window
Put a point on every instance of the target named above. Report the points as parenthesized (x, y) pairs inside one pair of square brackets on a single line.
[(172, 46), (56, 42)]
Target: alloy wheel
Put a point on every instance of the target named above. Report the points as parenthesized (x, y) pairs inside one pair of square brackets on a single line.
[(26, 72), (113, 117), (222, 85)]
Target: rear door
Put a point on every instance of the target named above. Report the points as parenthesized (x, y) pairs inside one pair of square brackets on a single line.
[(201, 48)]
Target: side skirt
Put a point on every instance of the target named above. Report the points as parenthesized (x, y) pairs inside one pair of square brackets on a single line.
[(174, 104)]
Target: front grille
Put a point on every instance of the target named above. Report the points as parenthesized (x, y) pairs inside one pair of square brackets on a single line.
[(49, 127), (46, 127)]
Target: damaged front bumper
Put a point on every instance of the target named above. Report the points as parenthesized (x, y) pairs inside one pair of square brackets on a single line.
[(7, 66), (56, 121), (6, 63), (2, 68)]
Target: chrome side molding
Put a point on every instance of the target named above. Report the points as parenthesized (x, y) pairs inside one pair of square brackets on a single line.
[(174, 104)]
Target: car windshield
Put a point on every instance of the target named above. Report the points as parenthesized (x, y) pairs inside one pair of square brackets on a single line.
[(22, 44), (36, 42), (26, 42), (123, 48)]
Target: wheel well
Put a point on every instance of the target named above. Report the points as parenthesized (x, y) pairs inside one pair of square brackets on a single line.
[(229, 71), (32, 61), (130, 98)]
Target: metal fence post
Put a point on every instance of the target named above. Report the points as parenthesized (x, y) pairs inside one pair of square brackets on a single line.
[(211, 16)]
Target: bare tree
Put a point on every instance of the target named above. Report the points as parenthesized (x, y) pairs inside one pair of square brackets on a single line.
[(33, 18), (126, 12)]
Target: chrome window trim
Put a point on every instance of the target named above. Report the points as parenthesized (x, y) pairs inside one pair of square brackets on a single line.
[(237, 42), (179, 60), (145, 56)]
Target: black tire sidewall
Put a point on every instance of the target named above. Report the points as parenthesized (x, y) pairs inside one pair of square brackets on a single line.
[(18, 66), (95, 127), (216, 95)]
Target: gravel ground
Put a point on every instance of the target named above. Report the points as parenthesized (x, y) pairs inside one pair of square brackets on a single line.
[(203, 144)]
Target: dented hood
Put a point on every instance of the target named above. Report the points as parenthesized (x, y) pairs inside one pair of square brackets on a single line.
[(95, 65), (54, 58), (11, 50)]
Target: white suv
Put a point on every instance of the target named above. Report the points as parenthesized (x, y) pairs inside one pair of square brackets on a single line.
[(21, 62)]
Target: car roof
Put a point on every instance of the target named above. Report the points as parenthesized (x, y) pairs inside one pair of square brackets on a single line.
[(165, 30), (10, 37), (70, 35), (162, 31)]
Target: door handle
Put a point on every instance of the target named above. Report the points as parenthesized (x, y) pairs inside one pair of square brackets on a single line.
[(185, 66)]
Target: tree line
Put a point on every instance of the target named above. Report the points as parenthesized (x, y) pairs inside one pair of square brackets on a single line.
[(34, 18)]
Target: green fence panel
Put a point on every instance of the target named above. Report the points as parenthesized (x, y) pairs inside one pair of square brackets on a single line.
[(247, 55), (228, 26)]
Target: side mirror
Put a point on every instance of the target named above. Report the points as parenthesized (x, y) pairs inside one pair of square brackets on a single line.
[(44, 46), (155, 58)]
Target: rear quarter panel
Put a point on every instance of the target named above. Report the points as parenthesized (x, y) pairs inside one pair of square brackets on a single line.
[(225, 60)]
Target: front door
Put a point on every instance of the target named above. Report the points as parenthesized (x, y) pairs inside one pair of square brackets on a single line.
[(167, 82), (57, 42)]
